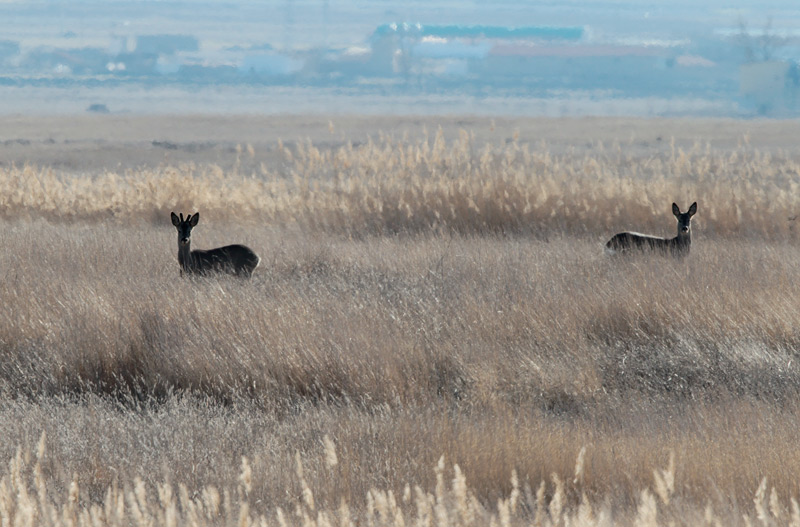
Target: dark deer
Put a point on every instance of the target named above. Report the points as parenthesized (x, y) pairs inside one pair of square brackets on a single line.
[(234, 259), (625, 242)]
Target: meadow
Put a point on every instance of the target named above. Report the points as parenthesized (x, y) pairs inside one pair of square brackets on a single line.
[(434, 335)]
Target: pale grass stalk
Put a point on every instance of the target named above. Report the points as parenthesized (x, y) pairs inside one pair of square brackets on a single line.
[(710, 517), (244, 514), (15, 470), (385, 504), (760, 501), (795, 516), (114, 506), (460, 493), (370, 509), (585, 516), (142, 501), (513, 498), (246, 477), (379, 503), (539, 516), (407, 494), (345, 518), (211, 502), (578, 479), (308, 494), (281, 517), (665, 480), (168, 514), (556, 506), (189, 506), (476, 507), (775, 507), (398, 518), (440, 509), (6, 504), (504, 512), (26, 508), (97, 518), (137, 514), (71, 511), (85, 518), (425, 505), (330, 452), (40, 485), (41, 447), (231, 515), (306, 520), (647, 510)]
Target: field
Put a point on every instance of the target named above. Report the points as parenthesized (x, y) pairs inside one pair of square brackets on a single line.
[(434, 335)]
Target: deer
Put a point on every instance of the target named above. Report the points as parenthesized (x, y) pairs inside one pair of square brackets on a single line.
[(626, 242), (237, 259)]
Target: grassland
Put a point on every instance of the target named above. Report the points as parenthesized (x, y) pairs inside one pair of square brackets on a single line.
[(434, 337)]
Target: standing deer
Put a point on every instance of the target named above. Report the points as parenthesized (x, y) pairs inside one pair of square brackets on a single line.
[(235, 259), (678, 246)]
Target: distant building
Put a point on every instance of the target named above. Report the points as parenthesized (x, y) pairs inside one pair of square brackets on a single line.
[(421, 49), (420, 31)]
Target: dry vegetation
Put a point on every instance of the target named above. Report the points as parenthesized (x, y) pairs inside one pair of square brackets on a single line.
[(434, 337), (390, 185)]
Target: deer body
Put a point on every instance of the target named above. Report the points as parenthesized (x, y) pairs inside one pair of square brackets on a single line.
[(234, 259), (678, 246)]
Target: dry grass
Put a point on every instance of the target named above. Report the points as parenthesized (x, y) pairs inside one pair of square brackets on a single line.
[(397, 185), (326, 389)]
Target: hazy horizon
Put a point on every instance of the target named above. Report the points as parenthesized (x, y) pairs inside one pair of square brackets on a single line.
[(321, 56)]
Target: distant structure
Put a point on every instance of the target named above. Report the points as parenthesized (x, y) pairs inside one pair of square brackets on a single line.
[(546, 63), (420, 49), (570, 33)]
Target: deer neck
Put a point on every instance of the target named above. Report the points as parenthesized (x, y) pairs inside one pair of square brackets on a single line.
[(185, 256), (683, 240)]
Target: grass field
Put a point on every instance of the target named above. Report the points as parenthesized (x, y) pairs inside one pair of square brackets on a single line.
[(434, 337)]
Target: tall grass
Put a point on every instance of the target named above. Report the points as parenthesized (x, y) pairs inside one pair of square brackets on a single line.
[(500, 354), (35, 491), (558, 385), (400, 185)]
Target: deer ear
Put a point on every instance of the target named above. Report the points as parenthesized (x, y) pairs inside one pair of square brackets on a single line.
[(693, 209), (194, 219), (175, 220), (675, 209)]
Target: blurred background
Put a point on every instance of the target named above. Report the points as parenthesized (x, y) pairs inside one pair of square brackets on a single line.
[(513, 57)]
